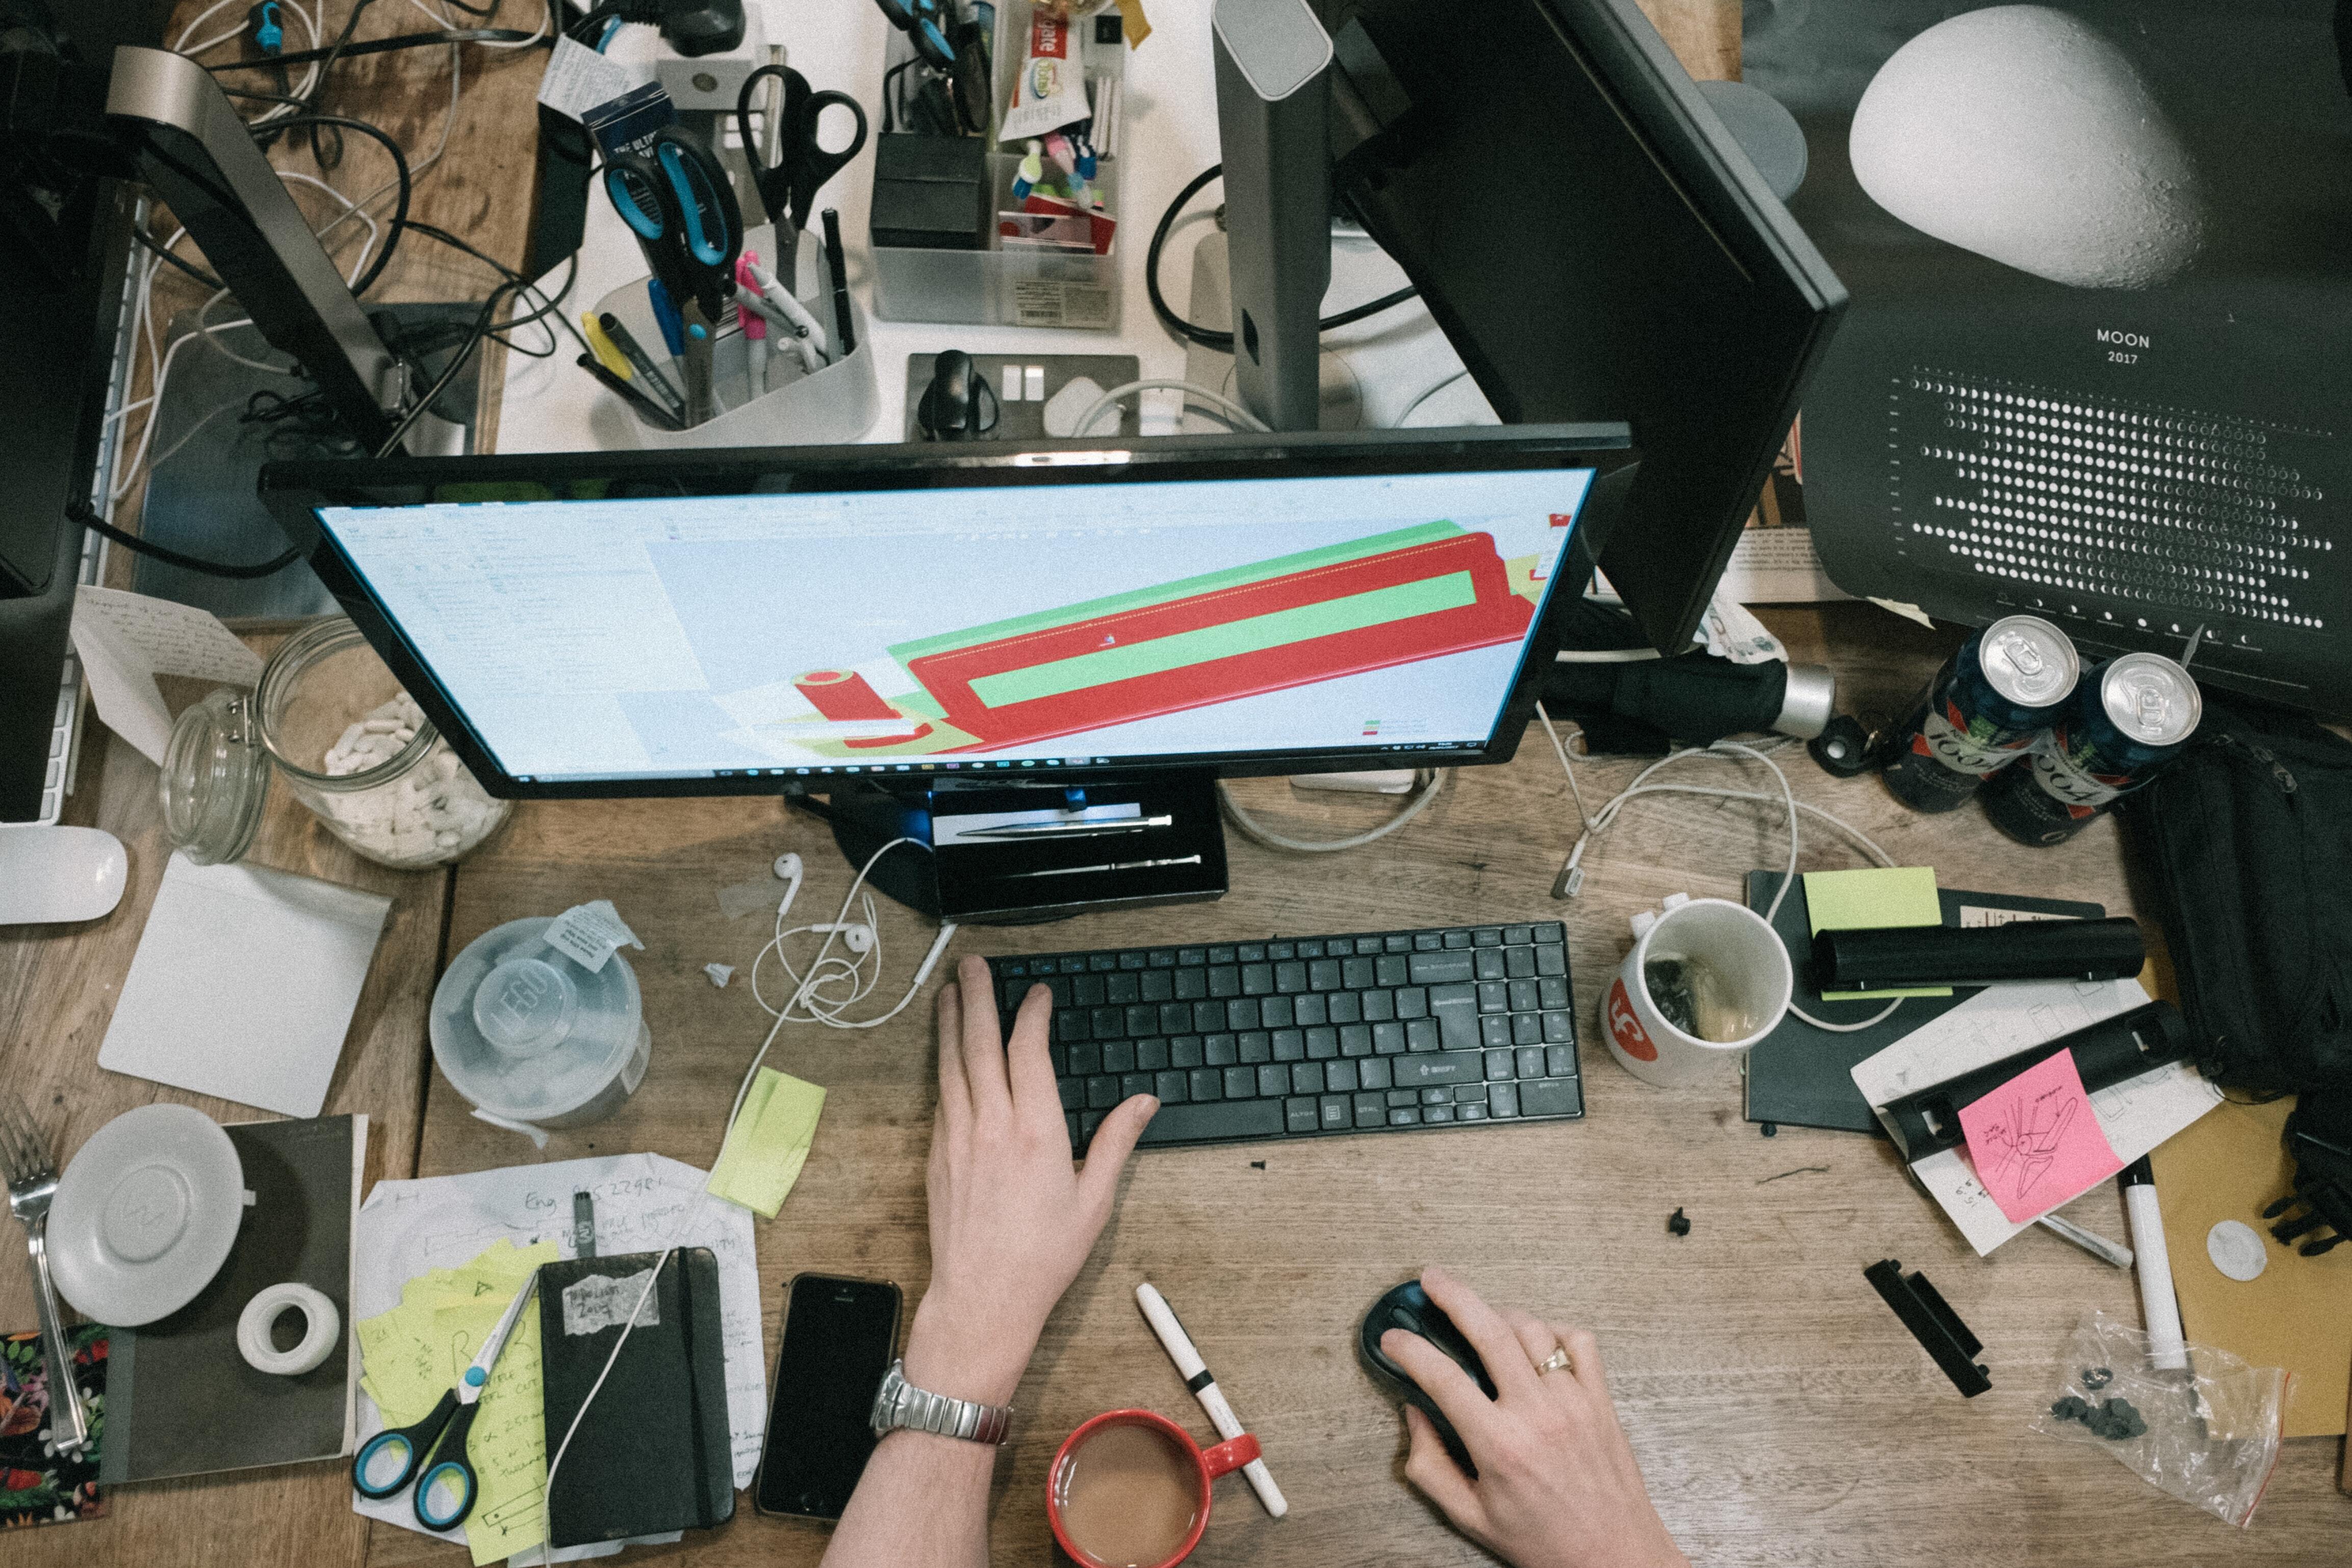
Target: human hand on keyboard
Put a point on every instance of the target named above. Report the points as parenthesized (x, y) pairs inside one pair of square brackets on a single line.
[(1557, 1484), (1011, 1219)]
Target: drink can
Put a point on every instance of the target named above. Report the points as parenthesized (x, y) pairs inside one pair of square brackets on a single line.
[(1982, 712), (2118, 733)]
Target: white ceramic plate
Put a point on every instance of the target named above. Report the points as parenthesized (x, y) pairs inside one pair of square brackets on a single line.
[(145, 1215)]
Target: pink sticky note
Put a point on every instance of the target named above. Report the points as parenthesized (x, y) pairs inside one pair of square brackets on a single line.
[(2035, 1142)]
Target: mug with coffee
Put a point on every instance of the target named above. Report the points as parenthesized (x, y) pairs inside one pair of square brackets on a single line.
[(1130, 1490)]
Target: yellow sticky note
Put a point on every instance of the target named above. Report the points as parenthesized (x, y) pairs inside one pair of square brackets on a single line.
[(1131, 23), (508, 1445), (768, 1142), (1870, 899)]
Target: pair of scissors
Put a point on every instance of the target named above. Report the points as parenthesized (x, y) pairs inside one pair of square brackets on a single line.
[(788, 189), (436, 1445), (675, 197)]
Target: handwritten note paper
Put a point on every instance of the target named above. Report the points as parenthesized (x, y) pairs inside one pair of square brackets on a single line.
[(125, 639), (2034, 1140)]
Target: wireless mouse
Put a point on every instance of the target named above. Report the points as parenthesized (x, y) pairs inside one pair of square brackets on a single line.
[(1409, 1308), (959, 403)]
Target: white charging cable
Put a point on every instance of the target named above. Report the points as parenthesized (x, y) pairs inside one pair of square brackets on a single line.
[(1431, 779), (1571, 872)]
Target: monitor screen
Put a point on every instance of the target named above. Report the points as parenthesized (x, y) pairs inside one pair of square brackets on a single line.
[(954, 628)]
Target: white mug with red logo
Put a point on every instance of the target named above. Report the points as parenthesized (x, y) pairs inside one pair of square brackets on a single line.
[(1752, 976)]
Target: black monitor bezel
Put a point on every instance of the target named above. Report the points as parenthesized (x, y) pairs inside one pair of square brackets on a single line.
[(292, 491)]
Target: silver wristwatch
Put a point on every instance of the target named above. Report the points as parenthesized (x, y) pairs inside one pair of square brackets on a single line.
[(899, 1404)]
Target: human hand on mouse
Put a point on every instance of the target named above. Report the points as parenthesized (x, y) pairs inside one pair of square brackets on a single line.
[(1011, 1219), (1557, 1484)]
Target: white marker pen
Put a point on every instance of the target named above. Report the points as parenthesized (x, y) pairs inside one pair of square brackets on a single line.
[(2166, 1347), (1195, 1373)]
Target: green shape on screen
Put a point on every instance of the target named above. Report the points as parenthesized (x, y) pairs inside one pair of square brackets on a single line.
[(1869, 900)]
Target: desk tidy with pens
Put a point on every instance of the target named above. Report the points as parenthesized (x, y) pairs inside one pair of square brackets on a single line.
[(432, 1453)]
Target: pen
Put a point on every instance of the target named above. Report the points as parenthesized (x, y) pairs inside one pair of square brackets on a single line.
[(673, 325), (2167, 1348), (755, 328), (635, 352), (600, 344), (1069, 830), (1197, 1377), (803, 327), (845, 335), (657, 415), (1118, 865), (2090, 1241), (701, 403)]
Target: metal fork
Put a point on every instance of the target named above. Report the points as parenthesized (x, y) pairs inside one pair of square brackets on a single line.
[(32, 1181)]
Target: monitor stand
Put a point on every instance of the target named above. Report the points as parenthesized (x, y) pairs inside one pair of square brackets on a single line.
[(1017, 850)]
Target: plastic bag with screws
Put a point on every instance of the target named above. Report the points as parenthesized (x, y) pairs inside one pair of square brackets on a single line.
[(2206, 1430)]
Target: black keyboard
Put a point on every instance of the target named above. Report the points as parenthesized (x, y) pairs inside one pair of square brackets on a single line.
[(1312, 1036)]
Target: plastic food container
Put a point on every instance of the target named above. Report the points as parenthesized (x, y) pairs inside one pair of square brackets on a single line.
[(331, 720), (533, 1040)]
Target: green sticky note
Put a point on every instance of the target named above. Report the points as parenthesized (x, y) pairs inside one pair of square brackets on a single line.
[(768, 1142), (1871, 899)]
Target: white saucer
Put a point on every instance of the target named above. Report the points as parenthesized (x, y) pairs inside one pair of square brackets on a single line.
[(145, 1214)]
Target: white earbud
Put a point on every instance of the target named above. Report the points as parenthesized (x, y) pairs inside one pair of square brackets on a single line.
[(788, 870), (856, 935)]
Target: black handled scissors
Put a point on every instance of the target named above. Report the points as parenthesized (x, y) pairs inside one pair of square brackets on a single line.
[(788, 189), (436, 1445), (675, 198)]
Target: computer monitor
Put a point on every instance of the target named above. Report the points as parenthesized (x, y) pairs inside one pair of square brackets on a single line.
[(1595, 245), (805, 619)]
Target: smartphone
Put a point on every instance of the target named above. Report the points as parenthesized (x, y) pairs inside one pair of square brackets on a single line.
[(839, 1337)]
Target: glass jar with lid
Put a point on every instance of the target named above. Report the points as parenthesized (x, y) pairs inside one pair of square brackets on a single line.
[(333, 721)]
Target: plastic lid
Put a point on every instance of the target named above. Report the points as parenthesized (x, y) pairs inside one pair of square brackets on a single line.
[(215, 778), (525, 1032)]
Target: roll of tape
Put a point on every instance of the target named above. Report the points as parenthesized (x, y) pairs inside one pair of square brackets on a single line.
[(321, 1322)]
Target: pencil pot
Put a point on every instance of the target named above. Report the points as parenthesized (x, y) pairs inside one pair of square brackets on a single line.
[(1706, 979), (833, 404)]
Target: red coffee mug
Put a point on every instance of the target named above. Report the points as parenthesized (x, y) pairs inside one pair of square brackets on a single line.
[(1208, 1464)]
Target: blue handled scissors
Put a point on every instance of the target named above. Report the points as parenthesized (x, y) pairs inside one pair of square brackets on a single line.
[(436, 1445), (675, 198)]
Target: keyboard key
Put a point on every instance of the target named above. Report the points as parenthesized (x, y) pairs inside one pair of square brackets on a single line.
[(1396, 943), (1443, 1066), (1525, 1029), (1559, 1029), (1390, 969), (1193, 1124), (1551, 933), (1551, 992), (1298, 1116), (1404, 1116), (1209, 1017), (1488, 936), (1322, 1044), (1368, 944), (1276, 1013), (1311, 948), (1355, 1039), (1307, 1078), (1224, 980), (1436, 1114), (1257, 979), (1388, 1039), (1531, 1061), (1102, 963), (1422, 1034), (1070, 1023), (1109, 1023), (1242, 1014), (1551, 961), (1074, 963), (1493, 996), (1077, 1144), (1156, 986), (1131, 960), (1338, 1115), (1311, 1007), (1184, 1050), (1207, 1083), (1519, 962), (1500, 1067), (1151, 1055), (1355, 974), (1490, 963), (1089, 990), (1009, 966), (1163, 958), (1272, 1079), (1470, 1093), (1502, 1100), (1560, 1061), (1437, 1097), (1278, 950), (1495, 1029), (1339, 1077), (1379, 1006), (1524, 994), (1074, 1092), (1455, 1008), (1457, 938), (1223, 1050), (1257, 1046), (1442, 968), (1371, 1111), (1221, 956), (1130, 1084), (1102, 1091), (1552, 1097), (1344, 1007), (1469, 1112), (1289, 1045), (1374, 1073), (1143, 1018), (1171, 1088), (1251, 952), (1403, 1097), (1518, 935), (1086, 1058), (1412, 1002), (1118, 1056), (1187, 956), (1191, 985), (1323, 975), (1173, 1018), (1290, 978), (1122, 988), (1059, 1055), (1240, 1082)]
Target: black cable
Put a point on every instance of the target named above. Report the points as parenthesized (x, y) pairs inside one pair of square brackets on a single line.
[(457, 362), (319, 88), (83, 513), (198, 273), (1209, 338), (385, 46), (400, 167), (553, 304)]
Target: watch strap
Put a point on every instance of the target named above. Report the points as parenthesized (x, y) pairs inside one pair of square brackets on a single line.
[(900, 1405)]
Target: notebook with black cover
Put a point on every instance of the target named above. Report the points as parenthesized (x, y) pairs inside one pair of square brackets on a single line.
[(652, 1454), (1801, 1076)]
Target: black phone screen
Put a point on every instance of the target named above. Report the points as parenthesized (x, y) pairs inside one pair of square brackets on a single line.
[(839, 1339)]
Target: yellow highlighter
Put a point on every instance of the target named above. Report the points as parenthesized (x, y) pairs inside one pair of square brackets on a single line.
[(601, 344)]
